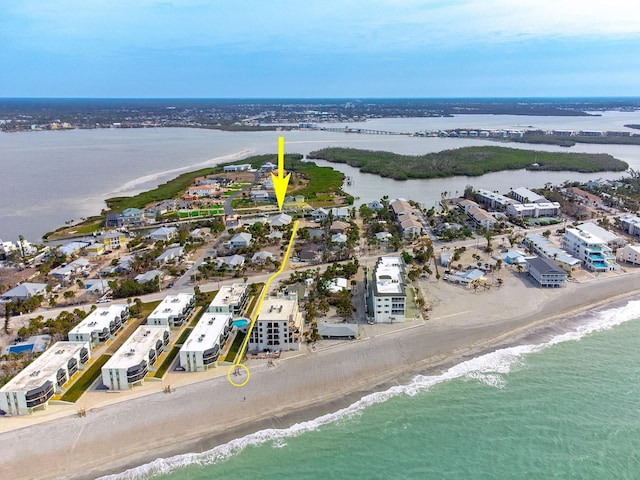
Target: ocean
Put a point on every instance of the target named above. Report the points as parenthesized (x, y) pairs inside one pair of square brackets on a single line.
[(565, 406)]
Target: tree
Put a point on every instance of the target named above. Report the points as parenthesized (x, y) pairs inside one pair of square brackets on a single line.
[(8, 307)]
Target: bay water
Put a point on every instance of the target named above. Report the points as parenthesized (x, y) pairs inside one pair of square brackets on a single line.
[(565, 406)]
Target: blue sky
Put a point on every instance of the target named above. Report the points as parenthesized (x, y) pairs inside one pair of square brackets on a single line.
[(328, 48)]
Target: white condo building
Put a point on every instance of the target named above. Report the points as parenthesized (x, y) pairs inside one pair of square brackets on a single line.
[(592, 250), (100, 325), (131, 363), (386, 294), (278, 326), (204, 345), (230, 299), (34, 386), (173, 311)]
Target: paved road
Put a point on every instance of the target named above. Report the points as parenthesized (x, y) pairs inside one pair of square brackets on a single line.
[(227, 204)]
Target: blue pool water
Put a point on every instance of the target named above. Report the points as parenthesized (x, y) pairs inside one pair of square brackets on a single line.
[(240, 323), (23, 347)]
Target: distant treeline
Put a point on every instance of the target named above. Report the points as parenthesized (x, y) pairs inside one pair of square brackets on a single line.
[(633, 125), (470, 161), (541, 138)]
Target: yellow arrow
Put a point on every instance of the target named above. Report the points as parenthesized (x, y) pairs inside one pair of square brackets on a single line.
[(280, 182)]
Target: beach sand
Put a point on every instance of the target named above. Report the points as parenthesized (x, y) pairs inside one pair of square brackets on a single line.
[(196, 417)]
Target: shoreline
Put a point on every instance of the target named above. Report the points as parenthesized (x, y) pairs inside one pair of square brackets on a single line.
[(200, 416)]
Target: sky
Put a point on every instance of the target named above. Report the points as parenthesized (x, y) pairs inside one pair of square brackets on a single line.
[(319, 48)]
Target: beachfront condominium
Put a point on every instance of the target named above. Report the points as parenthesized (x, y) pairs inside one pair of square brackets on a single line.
[(204, 344), (386, 291), (173, 311), (133, 360), (100, 325), (230, 299), (589, 248), (47, 375), (278, 326)]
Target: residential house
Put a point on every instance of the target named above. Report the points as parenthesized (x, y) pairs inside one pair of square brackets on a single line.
[(202, 191), (546, 273), (268, 167), (468, 278), (382, 237), (113, 240), (339, 227), (340, 213), (95, 249), (339, 238), (631, 225), (64, 273), (281, 220), (411, 228), (233, 262), (170, 255), (130, 216), (587, 198), (24, 291), (72, 247), (149, 276), (319, 214), (237, 168), (240, 240), (164, 234), (259, 196), (262, 257), (375, 205)]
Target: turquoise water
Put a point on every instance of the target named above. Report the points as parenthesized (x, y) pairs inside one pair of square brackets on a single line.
[(240, 323), (566, 408)]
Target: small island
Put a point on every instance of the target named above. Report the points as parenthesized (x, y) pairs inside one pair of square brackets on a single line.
[(468, 161)]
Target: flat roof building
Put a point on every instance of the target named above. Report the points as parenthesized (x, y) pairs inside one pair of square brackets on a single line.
[(204, 344), (100, 325), (387, 298), (230, 299), (131, 363), (278, 326), (173, 311), (34, 386)]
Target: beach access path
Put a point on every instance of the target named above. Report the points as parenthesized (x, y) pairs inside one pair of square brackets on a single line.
[(199, 416)]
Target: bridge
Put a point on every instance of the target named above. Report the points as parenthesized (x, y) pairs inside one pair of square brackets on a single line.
[(366, 131)]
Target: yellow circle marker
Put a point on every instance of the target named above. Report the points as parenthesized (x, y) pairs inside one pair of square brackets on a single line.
[(236, 371)]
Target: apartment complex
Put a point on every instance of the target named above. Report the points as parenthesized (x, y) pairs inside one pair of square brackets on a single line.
[(278, 326), (386, 291), (173, 311), (592, 250), (204, 344), (133, 360), (34, 386), (230, 299), (100, 325)]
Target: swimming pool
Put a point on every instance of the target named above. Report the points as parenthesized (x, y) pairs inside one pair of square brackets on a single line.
[(241, 322)]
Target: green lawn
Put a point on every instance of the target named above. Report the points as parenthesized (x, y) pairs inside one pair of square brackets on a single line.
[(235, 346), (89, 376), (167, 362)]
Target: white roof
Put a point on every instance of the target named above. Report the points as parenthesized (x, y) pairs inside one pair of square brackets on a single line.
[(99, 319), (526, 193), (207, 332), (598, 231), (281, 219), (171, 306), (45, 366), (277, 309), (137, 347), (228, 295), (388, 275)]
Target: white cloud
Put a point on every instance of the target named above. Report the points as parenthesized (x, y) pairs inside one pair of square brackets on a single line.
[(312, 25)]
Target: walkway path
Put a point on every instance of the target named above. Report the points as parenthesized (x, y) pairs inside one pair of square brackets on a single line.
[(227, 204)]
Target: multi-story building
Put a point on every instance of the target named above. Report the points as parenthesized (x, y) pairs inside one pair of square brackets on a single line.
[(386, 291), (131, 363), (546, 273), (592, 250), (494, 200), (524, 195), (629, 254), (173, 311), (230, 299), (34, 386), (204, 344), (631, 225), (545, 248), (278, 326), (100, 325)]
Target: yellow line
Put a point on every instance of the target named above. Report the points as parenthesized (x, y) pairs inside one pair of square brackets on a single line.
[(265, 290)]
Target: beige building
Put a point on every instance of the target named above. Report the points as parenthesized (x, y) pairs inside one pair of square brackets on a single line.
[(278, 326)]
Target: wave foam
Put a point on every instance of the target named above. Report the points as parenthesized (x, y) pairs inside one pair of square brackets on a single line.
[(489, 369)]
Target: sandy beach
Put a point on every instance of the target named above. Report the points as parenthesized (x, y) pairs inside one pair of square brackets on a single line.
[(199, 416)]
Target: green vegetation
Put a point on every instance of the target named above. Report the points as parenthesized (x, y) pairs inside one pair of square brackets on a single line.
[(469, 161), (323, 182), (172, 189), (167, 362), (255, 290), (87, 379), (535, 137), (235, 347)]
